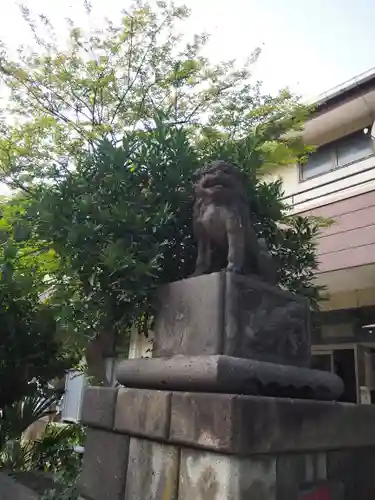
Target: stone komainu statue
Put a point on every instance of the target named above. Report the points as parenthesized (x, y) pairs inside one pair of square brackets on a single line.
[(222, 225)]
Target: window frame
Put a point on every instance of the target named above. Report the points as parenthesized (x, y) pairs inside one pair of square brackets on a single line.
[(333, 148)]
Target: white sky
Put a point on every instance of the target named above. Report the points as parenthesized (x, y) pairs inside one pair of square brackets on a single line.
[(308, 45)]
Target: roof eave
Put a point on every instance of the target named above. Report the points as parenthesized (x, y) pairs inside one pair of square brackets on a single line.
[(344, 92)]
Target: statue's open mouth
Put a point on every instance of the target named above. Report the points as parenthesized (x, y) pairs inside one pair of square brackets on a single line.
[(216, 182)]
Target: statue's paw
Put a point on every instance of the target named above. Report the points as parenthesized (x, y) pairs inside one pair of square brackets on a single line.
[(232, 268), (198, 272)]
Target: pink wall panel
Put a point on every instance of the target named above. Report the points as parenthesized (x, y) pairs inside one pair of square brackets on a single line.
[(344, 206), (353, 238), (350, 257), (350, 242), (352, 220)]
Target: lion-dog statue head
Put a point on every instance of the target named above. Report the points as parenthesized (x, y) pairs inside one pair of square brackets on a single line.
[(222, 226)]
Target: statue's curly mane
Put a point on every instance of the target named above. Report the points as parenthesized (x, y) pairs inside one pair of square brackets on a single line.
[(219, 165), (230, 172)]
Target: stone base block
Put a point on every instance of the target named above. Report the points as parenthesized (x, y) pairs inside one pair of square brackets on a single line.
[(156, 471), (246, 425), (228, 447), (240, 316), (98, 406), (143, 413), (205, 476), (153, 471), (241, 425), (229, 375), (104, 465)]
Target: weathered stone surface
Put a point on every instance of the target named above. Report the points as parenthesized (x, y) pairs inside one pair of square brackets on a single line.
[(229, 375), (152, 471), (249, 425), (265, 323), (240, 316), (207, 476), (190, 320), (37, 481), (355, 469), (208, 425), (104, 465), (98, 407), (13, 490), (143, 413), (294, 470)]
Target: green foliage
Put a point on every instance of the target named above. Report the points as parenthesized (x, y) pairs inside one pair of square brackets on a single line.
[(29, 350), (65, 488), (123, 219), (104, 81), (47, 453), (52, 453), (17, 417)]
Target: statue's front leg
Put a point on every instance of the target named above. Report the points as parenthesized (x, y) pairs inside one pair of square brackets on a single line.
[(236, 244), (203, 262)]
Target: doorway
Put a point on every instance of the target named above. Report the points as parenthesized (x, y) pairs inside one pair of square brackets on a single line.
[(344, 367), (341, 361)]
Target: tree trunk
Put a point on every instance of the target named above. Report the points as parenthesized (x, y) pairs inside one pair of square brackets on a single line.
[(100, 348)]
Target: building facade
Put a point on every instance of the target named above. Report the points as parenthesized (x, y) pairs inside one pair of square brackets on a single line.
[(338, 183)]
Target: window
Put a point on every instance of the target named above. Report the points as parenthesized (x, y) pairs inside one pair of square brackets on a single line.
[(353, 148), (319, 162), (337, 154)]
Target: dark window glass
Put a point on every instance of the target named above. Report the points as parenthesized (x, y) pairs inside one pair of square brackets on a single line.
[(353, 148), (337, 154), (319, 162)]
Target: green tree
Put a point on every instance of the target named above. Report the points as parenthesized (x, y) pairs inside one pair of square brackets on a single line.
[(123, 219), (102, 82), (30, 351), (106, 133)]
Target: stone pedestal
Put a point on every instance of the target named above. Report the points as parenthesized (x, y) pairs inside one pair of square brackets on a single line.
[(235, 315), (163, 445), (200, 421), (229, 375), (225, 332)]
